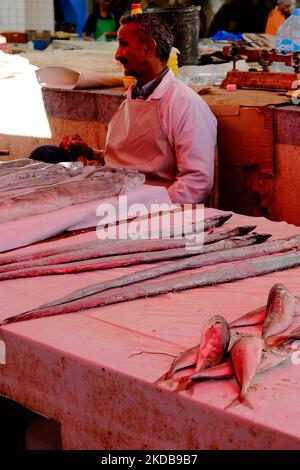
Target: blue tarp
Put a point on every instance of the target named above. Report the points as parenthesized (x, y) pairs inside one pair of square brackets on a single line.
[(223, 35)]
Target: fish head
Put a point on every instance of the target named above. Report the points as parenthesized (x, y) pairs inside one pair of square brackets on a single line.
[(217, 326), (279, 310), (213, 343), (276, 290)]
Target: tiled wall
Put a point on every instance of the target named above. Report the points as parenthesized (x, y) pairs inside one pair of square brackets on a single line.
[(19, 15), (12, 15), (39, 14)]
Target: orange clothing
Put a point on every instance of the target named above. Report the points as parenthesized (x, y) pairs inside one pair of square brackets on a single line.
[(275, 19)]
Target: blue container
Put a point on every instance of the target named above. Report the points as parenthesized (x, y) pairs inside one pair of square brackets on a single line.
[(41, 44)]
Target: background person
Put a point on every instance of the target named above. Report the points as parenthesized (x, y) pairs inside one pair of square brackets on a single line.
[(102, 24), (241, 16), (278, 15)]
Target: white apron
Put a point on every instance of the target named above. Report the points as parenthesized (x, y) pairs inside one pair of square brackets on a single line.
[(136, 139)]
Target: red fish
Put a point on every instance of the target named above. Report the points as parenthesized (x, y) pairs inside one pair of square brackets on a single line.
[(245, 355)]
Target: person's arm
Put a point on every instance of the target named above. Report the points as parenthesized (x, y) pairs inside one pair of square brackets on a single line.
[(89, 28), (111, 34), (98, 154), (194, 130), (85, 37)]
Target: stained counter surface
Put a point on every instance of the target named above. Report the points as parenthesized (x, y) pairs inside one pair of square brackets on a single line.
[(93, 371)]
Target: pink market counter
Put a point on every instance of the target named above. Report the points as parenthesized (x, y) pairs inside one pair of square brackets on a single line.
[(93, 371)]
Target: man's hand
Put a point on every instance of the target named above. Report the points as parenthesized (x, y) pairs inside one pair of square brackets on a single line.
[(85, 37), (88, 162), (111, 34), (69, 139), (77, 147)]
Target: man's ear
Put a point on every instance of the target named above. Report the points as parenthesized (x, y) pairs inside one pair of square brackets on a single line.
[(150, 47)]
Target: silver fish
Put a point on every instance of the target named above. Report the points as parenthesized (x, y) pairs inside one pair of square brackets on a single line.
[(220, 274), (56, 197)]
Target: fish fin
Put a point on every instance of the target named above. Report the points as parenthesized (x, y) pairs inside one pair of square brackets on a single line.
[(190, 388), (235, 324), (183, 384), (239, 400), (278, 341), (171, 384), (162, 378)]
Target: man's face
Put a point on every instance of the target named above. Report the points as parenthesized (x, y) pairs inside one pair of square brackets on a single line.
[(285, 9), (132, 52), (105, 3)]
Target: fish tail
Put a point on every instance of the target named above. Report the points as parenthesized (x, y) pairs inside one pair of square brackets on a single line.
[(245, 401), (162, 378), (17, 318), (233, 403), (190, 388), (239, 400), (8, 320)]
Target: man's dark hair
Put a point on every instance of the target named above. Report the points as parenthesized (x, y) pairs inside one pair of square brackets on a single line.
[(150, 25)]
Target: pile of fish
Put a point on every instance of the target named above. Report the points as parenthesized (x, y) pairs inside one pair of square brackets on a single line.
[(225, 353), (28, 187), (24, 173), (128, 177), (36, 174), (241, 254)]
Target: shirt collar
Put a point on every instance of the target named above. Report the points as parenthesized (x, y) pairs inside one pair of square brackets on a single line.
[(142, 90), (146, 90), (159, 90)]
